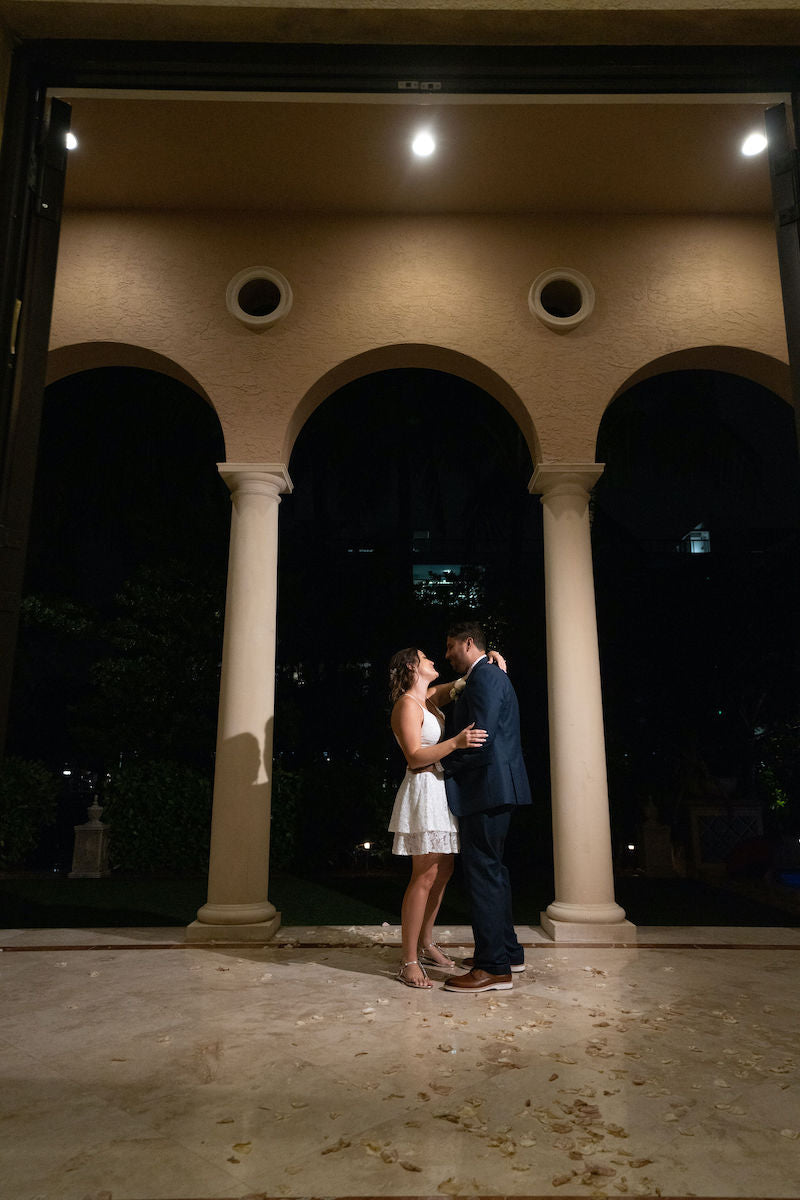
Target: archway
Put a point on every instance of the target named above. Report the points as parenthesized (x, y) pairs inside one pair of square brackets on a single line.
[(761, 369), (410, 506), (90, 356), (126, 467), (414, 356), (122, 614), (696, 530)]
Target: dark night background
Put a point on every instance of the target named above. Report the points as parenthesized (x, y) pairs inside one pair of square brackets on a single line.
[(404, 471)]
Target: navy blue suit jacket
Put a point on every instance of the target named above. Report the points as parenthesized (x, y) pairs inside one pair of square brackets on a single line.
[(494, 774)]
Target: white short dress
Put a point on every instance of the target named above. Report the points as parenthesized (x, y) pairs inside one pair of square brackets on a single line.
[(421, 821)]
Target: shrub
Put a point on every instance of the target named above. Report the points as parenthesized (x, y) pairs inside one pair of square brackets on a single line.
[(28, 793), (322, 811), (160, 817), (342, 805), (284, 821)]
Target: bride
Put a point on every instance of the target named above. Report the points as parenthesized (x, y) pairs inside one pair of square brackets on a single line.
[(421, 822)]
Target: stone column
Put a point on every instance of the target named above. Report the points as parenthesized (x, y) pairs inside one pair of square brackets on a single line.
[(237, 907), (584, 908)]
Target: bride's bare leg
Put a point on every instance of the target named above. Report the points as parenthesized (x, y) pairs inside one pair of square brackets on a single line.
[(444, 870), (424, 872)]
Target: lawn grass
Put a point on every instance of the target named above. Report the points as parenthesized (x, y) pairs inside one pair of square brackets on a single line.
[(366, 898)]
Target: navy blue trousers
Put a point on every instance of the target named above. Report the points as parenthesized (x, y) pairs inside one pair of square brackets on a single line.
[(488, 885)]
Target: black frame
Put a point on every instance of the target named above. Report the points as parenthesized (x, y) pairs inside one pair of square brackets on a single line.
[(236, 66)]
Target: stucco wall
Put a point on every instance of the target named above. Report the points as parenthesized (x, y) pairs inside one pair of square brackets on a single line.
[(479, 22), (663, 285)]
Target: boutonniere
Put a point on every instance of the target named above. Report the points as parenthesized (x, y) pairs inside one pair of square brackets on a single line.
[(457, 687)]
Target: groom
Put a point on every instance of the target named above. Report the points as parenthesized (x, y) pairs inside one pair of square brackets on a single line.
[(484, 786)]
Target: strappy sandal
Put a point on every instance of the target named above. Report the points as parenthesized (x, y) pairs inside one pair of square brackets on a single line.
[(426, 984), (427, 959)]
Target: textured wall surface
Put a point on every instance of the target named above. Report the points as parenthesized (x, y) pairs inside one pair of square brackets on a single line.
[(449, 293), (477, 22)]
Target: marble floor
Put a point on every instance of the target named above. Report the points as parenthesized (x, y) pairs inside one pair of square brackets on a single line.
[(137, 1068)]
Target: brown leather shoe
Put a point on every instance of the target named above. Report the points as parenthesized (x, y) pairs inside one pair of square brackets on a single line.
[(517, 968), (477, 980)]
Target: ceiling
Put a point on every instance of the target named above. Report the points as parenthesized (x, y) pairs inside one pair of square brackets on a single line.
[(344, 154)]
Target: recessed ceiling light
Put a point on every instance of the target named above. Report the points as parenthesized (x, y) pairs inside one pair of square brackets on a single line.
[(423, 144), (72, 142), (754, 144)]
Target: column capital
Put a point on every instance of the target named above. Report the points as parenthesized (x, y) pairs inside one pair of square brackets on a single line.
[(273, 477), (558, 478)]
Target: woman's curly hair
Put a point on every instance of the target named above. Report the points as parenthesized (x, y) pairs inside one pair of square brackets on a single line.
[(402, 671)]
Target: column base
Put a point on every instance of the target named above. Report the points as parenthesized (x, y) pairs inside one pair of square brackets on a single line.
[(566, 932), (259, 931)]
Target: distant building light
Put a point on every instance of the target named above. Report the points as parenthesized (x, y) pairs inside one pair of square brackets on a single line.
[(448, 584), (433, 572), (367, 845), (697, 541), (631, 846), (66, 771)]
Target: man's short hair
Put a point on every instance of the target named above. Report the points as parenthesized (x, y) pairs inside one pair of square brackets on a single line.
[(468, 629)]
